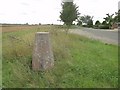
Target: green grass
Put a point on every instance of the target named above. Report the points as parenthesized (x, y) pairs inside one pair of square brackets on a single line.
[(79, 61)]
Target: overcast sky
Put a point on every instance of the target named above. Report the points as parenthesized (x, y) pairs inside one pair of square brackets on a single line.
[(48, 11)]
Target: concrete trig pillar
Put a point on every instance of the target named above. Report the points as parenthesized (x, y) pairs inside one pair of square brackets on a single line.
[(42, 54)]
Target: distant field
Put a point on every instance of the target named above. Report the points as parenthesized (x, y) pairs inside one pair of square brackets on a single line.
[(11, 28), (79, 61)]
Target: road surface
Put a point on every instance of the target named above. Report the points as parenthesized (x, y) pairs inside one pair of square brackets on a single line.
[(106, 36)]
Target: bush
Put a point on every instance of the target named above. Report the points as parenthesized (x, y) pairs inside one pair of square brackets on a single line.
[(79, 23), (97, 23), (90, 23), (84, 25), (103, 26), (88, 26), (95, 27)]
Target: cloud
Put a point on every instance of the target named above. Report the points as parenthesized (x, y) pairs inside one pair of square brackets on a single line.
[(25, 4), (2, 14), (24, 13)]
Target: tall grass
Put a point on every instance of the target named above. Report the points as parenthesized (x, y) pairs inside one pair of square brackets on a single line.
[(79, 61)]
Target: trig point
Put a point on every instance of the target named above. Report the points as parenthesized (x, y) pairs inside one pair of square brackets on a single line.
[(42, 54)]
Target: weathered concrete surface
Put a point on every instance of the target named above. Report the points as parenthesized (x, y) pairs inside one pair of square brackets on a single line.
[(42, 53)]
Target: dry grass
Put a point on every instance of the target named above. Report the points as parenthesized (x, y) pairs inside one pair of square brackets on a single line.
[(79, 61), (12, 28)]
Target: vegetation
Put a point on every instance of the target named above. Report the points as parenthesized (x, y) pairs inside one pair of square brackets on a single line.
[(69, 13), (90, 23), (112, 19), (86, 20), (79, 61), (103, 27), (118, 16), (79, 23), (109, 19), (97, 23), (104, 23)]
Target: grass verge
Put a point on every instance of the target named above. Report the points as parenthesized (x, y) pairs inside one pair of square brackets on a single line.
[(79, 61)]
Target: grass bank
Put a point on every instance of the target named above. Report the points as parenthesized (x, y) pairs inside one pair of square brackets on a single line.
[(79, 61)]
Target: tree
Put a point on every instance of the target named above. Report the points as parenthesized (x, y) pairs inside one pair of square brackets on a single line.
[(109, 19), (69, 13), (79, 23), (90, 23), (97, 23), (104, 23), (117, 17), (26, 24), (87, 20)]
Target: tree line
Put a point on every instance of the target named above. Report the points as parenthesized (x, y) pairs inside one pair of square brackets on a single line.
[(71, 13)]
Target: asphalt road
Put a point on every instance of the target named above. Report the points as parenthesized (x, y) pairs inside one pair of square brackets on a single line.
[(106, 36)]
